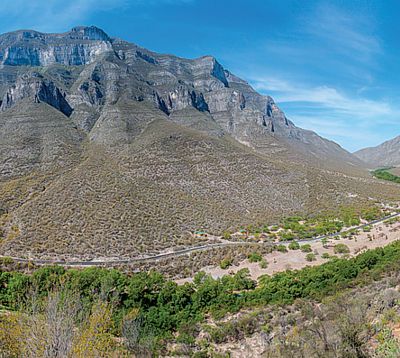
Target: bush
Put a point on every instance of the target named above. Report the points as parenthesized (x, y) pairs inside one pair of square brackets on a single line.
[(325, 255), (306, 248), (294, 245), (227, 235), (225, 263), (341, 249), (282, 248), (147, 302), (254, 257), (310, 257), (263, 264)]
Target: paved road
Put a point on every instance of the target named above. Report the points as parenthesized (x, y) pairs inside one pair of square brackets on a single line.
[(181, 252)]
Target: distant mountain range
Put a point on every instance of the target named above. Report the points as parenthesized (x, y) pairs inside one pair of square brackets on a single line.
[(385, 154), (109, 149)]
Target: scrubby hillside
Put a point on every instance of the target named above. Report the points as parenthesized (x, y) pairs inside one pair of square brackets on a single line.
[(109, 149)]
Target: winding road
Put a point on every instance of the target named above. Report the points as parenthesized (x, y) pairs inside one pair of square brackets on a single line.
[(181, 252)]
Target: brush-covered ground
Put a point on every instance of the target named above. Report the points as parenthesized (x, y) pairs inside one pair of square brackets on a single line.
[(347, 307), (141, 182)]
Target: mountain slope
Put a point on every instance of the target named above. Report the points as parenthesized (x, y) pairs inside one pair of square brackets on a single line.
[(108, 149), (385, 154)]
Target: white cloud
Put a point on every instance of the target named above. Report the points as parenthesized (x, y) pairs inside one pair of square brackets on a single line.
[(327, 97), (352, 120)]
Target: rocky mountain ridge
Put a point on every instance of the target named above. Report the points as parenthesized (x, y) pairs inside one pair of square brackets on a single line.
[(83, 72), (31, 48), (383, 155), (109, 149)]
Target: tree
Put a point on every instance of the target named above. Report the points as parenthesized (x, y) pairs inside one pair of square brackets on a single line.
[(95, 339)]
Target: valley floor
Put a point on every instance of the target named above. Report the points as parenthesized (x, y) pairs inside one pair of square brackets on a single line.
[(380, 234)]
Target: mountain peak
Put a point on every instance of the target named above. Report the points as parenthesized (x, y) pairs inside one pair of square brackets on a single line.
[(89, 33), (79, 46)]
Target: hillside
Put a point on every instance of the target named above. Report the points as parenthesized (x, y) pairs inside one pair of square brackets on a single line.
[(385, 154), (111, 150), (343, 308)]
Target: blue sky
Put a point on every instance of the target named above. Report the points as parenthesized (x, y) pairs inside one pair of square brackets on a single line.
[(332, 66)]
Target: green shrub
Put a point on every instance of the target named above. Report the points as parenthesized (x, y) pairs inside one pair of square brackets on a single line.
[(254, 257), (310, 257), (341, 249), (263, 264), (225, 263), (227, 235), (282, 248), (325, 255), (294, 245), (306, 248), (165, 308)]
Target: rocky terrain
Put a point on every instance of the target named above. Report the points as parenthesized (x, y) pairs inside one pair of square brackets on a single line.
[(385, 154), (111, 150)]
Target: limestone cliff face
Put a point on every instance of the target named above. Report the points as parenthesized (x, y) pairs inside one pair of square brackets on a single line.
[(31, 48), (37, 88), (115, 69), (83, 73)]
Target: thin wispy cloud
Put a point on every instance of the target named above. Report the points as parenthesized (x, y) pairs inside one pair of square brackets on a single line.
[(327, 97), (323, 73), (331, 113), (348, 34)]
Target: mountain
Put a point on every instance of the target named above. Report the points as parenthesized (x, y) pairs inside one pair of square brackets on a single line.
[(385, 154), (111, 150)]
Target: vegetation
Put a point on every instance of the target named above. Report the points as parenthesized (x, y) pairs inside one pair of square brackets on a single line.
[(310, 257), (301, 228), (281, 248), (384, 174), (158, 308), (367, 228), (294, 245), (225, 263), (341, 249), (306, 248), (255, 257)]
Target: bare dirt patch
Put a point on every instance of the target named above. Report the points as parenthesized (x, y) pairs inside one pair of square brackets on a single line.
[(380, 235)]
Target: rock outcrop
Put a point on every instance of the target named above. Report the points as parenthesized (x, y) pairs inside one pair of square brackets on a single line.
[(37, 88), (31, 48)]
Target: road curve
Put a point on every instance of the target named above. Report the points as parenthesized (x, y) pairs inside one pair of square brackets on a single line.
[(180, 252)]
